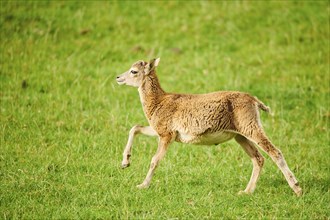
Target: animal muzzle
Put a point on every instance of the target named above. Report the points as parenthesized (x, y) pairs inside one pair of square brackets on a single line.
[(120, 80)]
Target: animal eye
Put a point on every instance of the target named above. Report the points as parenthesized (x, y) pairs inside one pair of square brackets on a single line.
[(134, 72)]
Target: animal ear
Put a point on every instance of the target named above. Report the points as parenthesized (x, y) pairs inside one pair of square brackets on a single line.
[(156, 61), (152, 65)]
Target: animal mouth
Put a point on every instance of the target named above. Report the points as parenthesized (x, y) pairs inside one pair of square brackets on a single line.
[(120, 81)]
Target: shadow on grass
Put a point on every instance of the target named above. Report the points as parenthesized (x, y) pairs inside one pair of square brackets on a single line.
[(312, 184), (319, 184)]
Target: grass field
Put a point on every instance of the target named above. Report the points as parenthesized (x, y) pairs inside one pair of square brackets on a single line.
[(65, 121)]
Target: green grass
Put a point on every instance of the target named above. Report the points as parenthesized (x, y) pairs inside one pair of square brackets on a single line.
[(65, 121)]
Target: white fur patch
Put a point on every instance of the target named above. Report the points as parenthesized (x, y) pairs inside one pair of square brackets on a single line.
[(206, 139)]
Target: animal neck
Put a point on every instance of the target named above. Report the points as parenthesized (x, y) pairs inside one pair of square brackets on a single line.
[(151, 94)]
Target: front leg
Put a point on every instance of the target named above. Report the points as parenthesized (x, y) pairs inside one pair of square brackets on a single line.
[(164, 142), (137, 129)]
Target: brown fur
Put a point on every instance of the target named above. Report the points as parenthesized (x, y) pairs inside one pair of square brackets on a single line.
[(208, 119)]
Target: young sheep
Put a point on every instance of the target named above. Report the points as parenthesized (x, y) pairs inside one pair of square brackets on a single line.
[(205, 119)]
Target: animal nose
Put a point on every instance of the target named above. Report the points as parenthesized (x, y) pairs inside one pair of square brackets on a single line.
[(117, 77)]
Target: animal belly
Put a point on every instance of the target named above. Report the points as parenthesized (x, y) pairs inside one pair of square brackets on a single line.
[(206, 139), (216, 138)]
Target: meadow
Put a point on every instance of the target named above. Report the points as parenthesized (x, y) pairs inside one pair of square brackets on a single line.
[(64, 121)]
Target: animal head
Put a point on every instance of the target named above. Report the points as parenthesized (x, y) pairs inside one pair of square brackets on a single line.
[(137, 73)]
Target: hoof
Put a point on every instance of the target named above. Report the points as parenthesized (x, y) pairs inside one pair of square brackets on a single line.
[(299, 192), (142, 186), (296, 188), (123, 166), (243, 192)]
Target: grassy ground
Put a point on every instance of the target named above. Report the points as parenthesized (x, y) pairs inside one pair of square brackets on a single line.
[(64, 121)]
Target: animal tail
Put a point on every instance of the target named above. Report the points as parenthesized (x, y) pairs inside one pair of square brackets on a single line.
[(262, 106)]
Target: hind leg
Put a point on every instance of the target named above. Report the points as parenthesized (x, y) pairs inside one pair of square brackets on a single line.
[(257, 161), (258, 136)]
